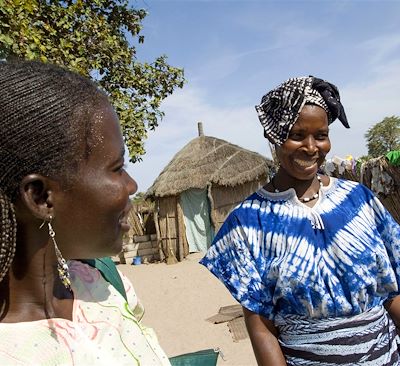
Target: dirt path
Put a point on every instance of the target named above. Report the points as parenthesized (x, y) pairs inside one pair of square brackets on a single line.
[(178, 298)]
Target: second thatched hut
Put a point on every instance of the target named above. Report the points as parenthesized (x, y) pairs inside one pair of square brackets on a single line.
[(198, 188)]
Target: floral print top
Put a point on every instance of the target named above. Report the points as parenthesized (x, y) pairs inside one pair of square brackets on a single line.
[(105, 329)]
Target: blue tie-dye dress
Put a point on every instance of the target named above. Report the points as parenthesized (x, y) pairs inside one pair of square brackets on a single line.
[(279, 257)]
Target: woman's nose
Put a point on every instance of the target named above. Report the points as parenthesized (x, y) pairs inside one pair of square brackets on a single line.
[(311, 145), (132, 185)]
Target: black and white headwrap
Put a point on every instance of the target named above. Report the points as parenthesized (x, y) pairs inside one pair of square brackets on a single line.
[(280, 108)]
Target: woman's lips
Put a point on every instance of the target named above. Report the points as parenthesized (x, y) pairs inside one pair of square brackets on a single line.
[(305, 163), (123, 222), (124, 226)]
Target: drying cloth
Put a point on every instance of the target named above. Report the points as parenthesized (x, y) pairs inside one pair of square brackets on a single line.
[(393, 157), (196, 212)]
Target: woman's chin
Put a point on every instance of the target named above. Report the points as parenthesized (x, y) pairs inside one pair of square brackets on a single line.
[(306, 173), (117, 247), (110, 250)]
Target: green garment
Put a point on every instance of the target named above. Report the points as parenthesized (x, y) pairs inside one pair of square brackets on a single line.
[(393, 157)]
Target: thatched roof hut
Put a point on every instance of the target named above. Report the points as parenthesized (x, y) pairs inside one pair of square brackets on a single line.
[(203, 182), (208, 160)]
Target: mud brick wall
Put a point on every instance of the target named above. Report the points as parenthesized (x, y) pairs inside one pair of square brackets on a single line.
[(145, 246)]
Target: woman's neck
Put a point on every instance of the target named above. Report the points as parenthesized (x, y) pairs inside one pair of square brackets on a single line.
[(282, 181), (32, 290)]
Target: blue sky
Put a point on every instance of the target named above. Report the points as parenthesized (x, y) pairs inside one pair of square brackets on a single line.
[(234, 51)]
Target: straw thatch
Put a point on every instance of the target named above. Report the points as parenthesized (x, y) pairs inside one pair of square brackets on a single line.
[(208, 160), (227, 172)]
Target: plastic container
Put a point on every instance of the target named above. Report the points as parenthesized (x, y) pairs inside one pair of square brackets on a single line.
[(137, 260)]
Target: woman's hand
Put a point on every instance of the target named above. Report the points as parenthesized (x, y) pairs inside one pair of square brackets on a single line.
[(393, 308), (263, 336)]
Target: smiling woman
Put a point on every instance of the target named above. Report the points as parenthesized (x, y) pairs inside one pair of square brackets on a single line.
[(64, 194), (314, 260), (305, 149), (97, 204)]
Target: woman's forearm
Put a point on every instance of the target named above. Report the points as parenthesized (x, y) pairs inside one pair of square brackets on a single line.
[(263, 336), (267, 350), (393, 308)]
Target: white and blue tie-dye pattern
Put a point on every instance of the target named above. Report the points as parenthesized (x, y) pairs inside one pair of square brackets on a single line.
[(276, 261)]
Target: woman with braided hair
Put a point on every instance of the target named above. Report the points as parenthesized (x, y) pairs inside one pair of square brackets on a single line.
[(64, 194), (313, 260)]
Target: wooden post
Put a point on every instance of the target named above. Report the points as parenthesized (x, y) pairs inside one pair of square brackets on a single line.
[(161, 251), (171, 259), (183, 246), (200, 128)]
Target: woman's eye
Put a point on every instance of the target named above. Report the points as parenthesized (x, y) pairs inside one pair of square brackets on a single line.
[(120, 168), (296, 136)]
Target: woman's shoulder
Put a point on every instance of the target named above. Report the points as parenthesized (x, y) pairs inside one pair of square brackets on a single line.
[(351, 196), (88, 285), (83, 269), (89, 282), (260, 199), (333, 181), (254, 198), (249, 208), (345, 186)]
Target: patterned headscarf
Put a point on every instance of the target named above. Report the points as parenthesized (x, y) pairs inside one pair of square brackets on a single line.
[(280, 108)]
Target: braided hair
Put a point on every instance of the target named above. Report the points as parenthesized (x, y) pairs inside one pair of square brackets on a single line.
[(45, 114)]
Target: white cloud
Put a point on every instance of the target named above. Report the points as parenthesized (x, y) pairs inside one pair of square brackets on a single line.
[(224, 58), (381, 48)]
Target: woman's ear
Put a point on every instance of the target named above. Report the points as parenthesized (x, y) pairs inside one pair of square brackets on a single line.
[(36, 193)]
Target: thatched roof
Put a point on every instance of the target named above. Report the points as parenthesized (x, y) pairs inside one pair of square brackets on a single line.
[(208, 160)]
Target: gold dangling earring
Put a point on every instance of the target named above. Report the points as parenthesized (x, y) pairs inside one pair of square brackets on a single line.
[(62, 266)]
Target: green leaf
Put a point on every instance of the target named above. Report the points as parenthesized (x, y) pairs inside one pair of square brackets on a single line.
[(384, 136)]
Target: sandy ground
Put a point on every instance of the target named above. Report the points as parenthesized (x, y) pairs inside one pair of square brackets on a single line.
[(178, 299)]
